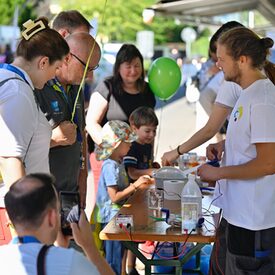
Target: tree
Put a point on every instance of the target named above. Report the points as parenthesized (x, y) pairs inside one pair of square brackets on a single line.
[(121, 20), (7, 8), (26, 10)]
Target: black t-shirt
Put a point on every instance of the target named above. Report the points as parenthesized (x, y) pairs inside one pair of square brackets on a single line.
[(140, 156), (122, 104), (64, 160)]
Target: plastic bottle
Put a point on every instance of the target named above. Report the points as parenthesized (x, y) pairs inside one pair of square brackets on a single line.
[(191, 204)]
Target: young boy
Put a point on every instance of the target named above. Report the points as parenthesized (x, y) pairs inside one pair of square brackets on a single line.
[(139, 160), (114, 187)]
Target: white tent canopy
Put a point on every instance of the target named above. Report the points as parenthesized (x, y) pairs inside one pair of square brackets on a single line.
[(205, 10)]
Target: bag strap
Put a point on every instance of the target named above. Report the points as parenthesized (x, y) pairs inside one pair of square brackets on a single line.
[(41, 267), (109, 86), (5, 80)]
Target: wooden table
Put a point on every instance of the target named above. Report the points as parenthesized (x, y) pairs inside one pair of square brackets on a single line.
[(146, 228)]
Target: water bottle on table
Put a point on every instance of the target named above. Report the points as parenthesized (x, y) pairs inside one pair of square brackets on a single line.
[(191, 205)]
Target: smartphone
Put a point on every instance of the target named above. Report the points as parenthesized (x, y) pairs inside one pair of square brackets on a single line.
[(70, 210)]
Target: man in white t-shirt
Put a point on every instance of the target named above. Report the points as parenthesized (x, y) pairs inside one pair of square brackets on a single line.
[(228, 94), (247, 179), (221, 108), (33, 209)]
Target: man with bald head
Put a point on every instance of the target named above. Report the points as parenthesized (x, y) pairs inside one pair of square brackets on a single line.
[(63, 104)]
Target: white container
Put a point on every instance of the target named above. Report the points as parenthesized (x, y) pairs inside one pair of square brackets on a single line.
[(191, 205), (172, 189), (168, 173)]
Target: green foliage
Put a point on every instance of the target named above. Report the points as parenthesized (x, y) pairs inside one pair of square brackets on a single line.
[(26, 11), (166, 30), (200, 46), (7, 8), (119, 21), (122, 19)]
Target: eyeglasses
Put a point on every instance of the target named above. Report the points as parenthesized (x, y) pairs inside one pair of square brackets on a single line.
[(84, 64)]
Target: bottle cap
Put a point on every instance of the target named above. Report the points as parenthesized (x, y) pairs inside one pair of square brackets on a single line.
[(191, 176)]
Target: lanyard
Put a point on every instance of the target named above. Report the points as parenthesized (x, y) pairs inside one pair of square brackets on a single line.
[(25, 239), (12, 68), (58, 87)]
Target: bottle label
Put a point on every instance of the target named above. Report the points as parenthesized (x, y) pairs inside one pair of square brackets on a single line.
[(189, 211), (189, 216)]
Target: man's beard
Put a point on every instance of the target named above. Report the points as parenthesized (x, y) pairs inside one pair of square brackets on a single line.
[(235, 75)]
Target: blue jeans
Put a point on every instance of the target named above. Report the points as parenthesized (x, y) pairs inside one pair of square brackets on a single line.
[(113, 253)]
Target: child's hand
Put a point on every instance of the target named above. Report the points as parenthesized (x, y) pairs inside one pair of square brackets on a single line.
[(156, 165), (142, 180)]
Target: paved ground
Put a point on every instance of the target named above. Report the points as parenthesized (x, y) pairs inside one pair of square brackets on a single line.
[(179, 120)]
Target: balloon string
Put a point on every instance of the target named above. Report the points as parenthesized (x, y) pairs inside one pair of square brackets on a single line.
[(87, 65), (159, 129)]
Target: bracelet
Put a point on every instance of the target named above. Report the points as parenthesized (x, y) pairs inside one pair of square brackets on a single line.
[(178, 151)]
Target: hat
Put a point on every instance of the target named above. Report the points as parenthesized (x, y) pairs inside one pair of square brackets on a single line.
[(113, 132)]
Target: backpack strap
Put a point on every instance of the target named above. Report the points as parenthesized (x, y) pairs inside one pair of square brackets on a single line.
[(5, 80), (109, 86), (41, 267)]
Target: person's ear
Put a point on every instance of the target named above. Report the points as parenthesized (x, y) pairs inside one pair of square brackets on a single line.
[(43, 62), (67, 59), (64, 32), (52, 218), (243, 59), (134, 128)]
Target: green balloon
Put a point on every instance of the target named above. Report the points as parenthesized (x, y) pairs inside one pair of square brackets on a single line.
[(164, 77)]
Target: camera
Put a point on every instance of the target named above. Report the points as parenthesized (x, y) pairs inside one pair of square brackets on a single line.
[(70, 210)]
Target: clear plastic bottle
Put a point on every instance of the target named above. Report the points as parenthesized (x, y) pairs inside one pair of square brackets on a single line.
[(191, 204)]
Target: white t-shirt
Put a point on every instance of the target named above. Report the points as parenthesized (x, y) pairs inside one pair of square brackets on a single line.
[(250, 203), (22, 120), (216, 81), (21, 260), (228, 94)]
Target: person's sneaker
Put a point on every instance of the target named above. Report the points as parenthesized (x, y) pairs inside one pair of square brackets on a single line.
[(133, 271)]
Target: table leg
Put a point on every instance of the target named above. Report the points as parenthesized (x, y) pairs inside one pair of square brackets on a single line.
[(172, 262), (134, 248), (196, 250)]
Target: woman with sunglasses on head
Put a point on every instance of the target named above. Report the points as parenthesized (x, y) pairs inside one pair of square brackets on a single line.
[(25, 133)]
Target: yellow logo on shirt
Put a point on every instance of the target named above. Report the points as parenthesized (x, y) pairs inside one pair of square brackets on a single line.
[(238, 113)]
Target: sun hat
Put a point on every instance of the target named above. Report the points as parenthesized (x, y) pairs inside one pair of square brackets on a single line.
[(113, 132)]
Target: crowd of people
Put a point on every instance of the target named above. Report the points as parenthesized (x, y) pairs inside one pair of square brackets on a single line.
[(46, 134)]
